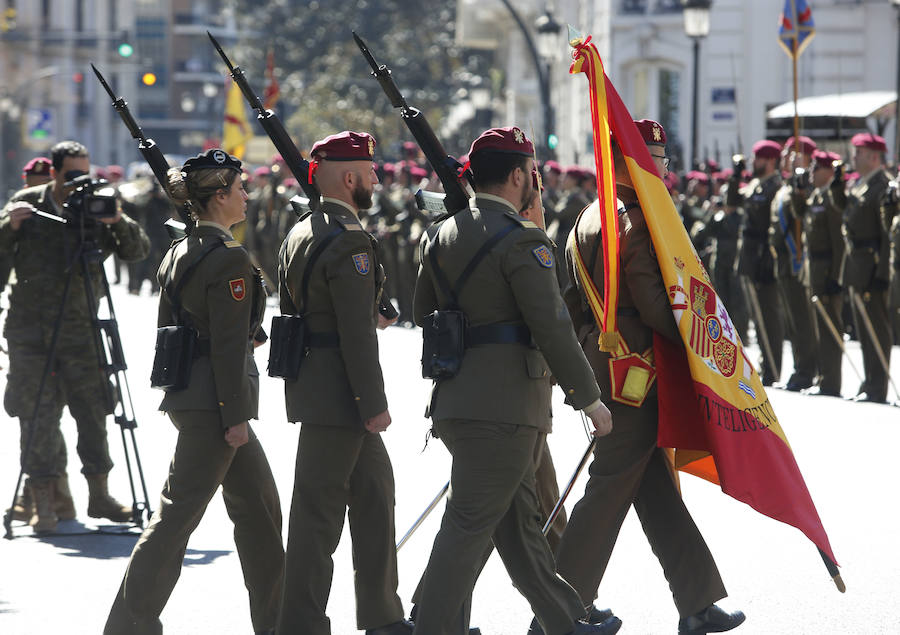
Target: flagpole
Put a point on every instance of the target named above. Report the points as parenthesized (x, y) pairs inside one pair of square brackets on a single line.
[(795, 43)]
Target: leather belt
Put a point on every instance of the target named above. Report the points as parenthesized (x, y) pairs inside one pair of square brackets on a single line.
[(865, 243), (497, 334)]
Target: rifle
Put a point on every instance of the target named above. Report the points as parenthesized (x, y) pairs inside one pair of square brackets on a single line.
[(444, 165), (298, 166), (270, 122), (147, 147)]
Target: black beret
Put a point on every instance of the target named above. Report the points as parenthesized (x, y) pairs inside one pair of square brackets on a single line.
[(212, 159)]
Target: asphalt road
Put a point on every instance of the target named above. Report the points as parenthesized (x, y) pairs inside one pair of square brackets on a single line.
[(847, 451)]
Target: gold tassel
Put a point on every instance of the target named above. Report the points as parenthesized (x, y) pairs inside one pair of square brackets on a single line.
[(609, 341)]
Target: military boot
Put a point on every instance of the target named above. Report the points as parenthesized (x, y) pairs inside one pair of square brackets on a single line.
[(23, 508), (65, 506), (44, 518), (101, 504)]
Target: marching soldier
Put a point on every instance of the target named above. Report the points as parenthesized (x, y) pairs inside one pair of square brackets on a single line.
[(628, 468), (552, 173), (786, 243), (570, 204), (756, 265), (866, 266), (891, 214), (694, 207), (718, 237), (209, 284), (330, 275), (42, 250), (491, 413), (823, 250)]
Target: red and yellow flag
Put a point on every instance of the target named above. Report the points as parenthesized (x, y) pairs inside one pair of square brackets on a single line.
[(237, 131), (713, 409)]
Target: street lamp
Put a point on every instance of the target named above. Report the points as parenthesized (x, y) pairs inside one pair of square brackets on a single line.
[(896, 5), (546, 26), (696, 27)]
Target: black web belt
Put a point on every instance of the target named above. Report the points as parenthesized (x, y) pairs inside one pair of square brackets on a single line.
[(497, 334)]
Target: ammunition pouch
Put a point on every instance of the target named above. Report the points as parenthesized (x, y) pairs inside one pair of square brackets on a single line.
[(177, 346), (631, 378), (287, 346), (443, 344)]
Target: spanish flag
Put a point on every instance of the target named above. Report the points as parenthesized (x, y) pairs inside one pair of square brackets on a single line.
[(713, 410), (237, 131)]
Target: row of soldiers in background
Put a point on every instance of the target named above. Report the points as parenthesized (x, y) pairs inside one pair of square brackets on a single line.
[(807, 252)]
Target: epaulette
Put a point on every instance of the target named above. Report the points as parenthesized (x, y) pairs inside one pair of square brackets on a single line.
[(521, 221), (349, 225), (231, 244)]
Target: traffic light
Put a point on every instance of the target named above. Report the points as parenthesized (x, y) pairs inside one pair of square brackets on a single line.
[(8, 20), (552, 141), (125, 49), (148, 79)]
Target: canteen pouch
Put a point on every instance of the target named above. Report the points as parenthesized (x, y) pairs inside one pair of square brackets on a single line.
[(631, 378), (443, 344), (175, 349), (287, 346)]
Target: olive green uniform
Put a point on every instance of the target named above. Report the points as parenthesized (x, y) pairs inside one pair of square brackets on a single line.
[(224, 301), (757, 265), (823, 250), (895, 274), (799, 320), (43, 253), (493, 413), (628, 468), (720, 235), (567, 210), (866, 271), (339, 464)]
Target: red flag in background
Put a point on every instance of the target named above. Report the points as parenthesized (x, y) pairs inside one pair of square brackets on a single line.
[(272, 90)]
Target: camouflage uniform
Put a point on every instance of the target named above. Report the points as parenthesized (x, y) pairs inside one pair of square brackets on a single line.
[(43, 251)]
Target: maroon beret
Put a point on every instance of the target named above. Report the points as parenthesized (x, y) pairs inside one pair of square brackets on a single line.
[(870, 141), (807, 145), (38, 165), (697, 175), (507, 140), (766, 149), (345, 146), (388, 168), (552, 166), (290, 183), (262, 171), (825, 158), (723, 175), (574, 171), (713, 165), (417, 172), (652, 133), (115, 171)]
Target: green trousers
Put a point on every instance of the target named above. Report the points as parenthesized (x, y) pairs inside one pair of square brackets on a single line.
[(492, 497), (628, 469), (340, 470), (202, 462)]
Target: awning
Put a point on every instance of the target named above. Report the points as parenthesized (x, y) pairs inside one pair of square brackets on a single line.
[(875, 103)]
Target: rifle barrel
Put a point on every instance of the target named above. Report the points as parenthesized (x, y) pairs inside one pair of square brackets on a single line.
[(221, 52)]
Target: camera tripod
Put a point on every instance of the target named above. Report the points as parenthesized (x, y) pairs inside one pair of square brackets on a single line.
[(111, 360)]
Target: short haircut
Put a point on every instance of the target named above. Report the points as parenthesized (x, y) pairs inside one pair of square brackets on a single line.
[(490, 169), (64, 149)]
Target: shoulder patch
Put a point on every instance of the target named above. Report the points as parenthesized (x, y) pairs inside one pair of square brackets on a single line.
[(543, 255), (231, 244), (238, 289), (361, 262), (529, 224), (519, 220)]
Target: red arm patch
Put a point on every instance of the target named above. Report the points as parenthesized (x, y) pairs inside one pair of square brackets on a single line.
[(238, 288)]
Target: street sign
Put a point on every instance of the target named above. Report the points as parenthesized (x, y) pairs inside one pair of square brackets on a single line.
[(39, 132)]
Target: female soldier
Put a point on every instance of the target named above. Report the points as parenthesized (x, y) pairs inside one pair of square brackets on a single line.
[(209, 284)]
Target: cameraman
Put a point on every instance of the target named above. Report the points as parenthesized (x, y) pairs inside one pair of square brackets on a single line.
[(43, 253)]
